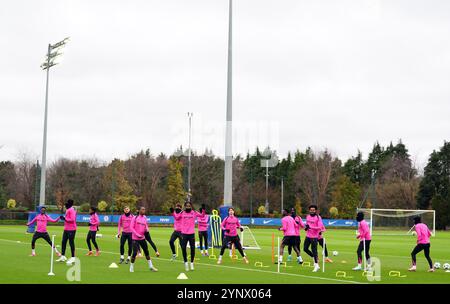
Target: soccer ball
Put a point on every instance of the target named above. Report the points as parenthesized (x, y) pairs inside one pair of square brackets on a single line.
[(437, 265), (335, 253), (446, 266)]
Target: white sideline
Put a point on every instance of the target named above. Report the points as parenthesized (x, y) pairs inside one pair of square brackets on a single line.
[(220, 266)]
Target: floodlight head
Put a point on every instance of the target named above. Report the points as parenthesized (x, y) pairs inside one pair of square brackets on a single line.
[(60, 44)]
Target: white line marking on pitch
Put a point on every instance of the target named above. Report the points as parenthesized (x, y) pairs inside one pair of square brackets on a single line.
[(223, 266)]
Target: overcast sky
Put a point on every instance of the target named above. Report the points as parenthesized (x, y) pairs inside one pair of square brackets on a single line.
[(337, 74)]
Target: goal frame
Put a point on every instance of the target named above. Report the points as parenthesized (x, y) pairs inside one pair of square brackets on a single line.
[(257, 247), (371, 210)]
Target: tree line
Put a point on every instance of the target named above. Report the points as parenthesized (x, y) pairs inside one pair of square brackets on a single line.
[(387, 178)]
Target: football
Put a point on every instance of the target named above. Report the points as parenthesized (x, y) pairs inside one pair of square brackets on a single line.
[(446, 266), (437, 265), (335, 253)]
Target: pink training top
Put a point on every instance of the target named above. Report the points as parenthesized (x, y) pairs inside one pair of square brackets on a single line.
[(423, 233), (188, 220), (289, 226), (231, 223), (138, 227), (363, 231), (42, 220), (315, 226), (70, 223), (94, 221), (177, 223), (202, 222), (322, 229), (299, 225), (125, 223)]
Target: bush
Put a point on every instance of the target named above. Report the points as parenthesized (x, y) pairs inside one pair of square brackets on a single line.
[(334, 212), (237, 211), (102, 205), (85, 207), (11, 204), (261, 210)]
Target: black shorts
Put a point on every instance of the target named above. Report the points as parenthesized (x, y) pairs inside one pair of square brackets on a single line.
[(44, 235), (289, 240)]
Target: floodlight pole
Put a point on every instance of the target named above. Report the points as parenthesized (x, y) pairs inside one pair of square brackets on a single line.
[(282, 194), (44, 144), (228, 178), (189, 158), (267, 187), (46, 66)]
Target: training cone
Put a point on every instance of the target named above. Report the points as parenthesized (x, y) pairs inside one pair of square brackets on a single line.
[(182, 276), (113, 265)]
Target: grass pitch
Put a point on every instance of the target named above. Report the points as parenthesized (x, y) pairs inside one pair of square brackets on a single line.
[(17, 266)]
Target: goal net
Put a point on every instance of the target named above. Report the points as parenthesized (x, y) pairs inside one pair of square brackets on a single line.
[(248, 240), (397, 221)]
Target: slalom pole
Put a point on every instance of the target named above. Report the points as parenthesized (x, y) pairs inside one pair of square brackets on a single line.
[(273, 249), (278, 259), (364, 256), (178, 243), (323, 255), (51, 257)]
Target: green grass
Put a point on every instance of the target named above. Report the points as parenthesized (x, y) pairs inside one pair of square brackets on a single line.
[(393, 251)]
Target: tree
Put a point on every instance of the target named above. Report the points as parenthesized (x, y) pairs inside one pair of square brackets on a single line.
[(434, 189), (345, 196), (175, 189), (11, 204), (102, 205), (116, 187), (314, 178)]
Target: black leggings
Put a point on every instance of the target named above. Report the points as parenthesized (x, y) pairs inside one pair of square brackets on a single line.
[(38, 235), (126, 237), (175, 235), (297, 245), (203, 236), (313, 243), (320, 241), (149, 239), (68, 236), (184, 241), (91, 237), (361, 249), (426, 250), (137, 244), (231, 240)]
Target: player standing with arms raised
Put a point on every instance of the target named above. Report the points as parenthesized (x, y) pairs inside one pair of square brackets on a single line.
[(364, 238), (41, 230), (230, 225), (70, 229), (176, 234), (423, 243), (312, 228), (188, 216), (138, 228)]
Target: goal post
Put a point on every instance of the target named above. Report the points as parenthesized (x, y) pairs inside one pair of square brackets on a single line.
[(397, 221), (248, 240)]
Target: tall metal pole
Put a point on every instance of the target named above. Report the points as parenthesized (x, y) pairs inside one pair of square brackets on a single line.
[(189, 159), (228, 178), (267, 187), (251, 193), (44, 145), (282, 194)]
